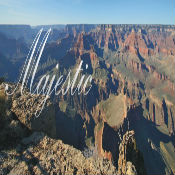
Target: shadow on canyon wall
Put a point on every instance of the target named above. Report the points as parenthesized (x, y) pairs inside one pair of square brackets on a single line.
[(145, 131)]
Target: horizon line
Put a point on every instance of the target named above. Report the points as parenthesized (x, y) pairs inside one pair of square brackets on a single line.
[(88, 24)]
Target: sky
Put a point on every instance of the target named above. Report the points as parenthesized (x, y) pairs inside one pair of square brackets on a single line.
[(42, 12)]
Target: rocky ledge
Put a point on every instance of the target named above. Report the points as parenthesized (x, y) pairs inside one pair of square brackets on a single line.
[(39, 154)]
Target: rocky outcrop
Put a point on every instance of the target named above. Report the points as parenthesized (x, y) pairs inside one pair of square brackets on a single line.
[(24, 108), (11, 129), (130, 160), (39, 154)]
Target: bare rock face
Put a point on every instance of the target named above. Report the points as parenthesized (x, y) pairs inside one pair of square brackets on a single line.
[(18, 120), (130, 169), (25, 107), (11, 129), (130, 160), (39, 154)]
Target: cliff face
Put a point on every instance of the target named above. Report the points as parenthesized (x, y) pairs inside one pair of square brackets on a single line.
[(18, 116), (144, 39), (130, 159), (135, 63)]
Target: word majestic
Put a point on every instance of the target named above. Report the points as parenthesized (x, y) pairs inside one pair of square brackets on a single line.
[(48, 85)]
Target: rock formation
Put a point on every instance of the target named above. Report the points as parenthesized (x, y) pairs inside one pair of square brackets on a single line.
[(130, 159), (39, 154)]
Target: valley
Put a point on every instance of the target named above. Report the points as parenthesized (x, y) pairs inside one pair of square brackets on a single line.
[(128, 115)]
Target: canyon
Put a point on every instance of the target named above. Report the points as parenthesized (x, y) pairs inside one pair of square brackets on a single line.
[(132, 98)]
